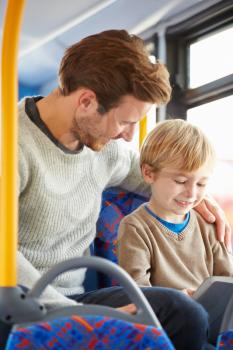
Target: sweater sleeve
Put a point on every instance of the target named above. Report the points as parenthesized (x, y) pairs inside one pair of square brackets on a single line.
[(127, 173), (28, 276), (23, 171), (216, 252), (223, 260), (27, 273), (134, 253)]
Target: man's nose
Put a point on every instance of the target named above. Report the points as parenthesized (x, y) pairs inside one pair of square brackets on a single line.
[(128, 133)]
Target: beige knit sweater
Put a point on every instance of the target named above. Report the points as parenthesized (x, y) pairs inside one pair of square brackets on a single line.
[(155, 256)]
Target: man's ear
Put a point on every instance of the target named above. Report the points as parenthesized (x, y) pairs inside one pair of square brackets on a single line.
[(148, 173), (87, 101)]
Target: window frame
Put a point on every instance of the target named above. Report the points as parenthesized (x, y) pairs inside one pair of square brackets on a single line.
[(178, 39)]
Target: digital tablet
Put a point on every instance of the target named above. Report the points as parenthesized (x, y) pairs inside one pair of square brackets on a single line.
[(214, 294)]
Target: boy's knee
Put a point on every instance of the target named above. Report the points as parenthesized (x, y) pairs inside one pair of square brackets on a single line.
[(166, 300), (194, 314), (185, 321)]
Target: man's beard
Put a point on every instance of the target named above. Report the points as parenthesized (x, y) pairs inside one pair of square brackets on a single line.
[(85, 138)]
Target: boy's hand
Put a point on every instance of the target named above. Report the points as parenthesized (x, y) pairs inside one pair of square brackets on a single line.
[(129, 309), (188, 291), (211, 212)]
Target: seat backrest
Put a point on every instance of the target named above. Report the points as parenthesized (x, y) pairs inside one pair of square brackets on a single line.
[(225, 341), (116, 203), (89, 332)]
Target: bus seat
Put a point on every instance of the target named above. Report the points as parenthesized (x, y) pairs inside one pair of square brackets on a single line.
[(91, 278), (116, 203), (225, 340), (89, 332)]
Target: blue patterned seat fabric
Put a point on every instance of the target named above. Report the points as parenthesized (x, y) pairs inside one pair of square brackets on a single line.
[(88, 333), (116, 203), (225, 341)]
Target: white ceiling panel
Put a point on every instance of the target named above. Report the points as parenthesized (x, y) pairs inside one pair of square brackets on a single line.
[(49, 26)]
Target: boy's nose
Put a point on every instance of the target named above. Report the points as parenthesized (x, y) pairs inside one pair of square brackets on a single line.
[(191, 191)]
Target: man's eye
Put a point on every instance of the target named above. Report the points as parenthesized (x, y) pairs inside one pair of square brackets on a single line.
[(127, 123)]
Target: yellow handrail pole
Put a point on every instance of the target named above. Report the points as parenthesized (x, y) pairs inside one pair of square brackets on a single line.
[(9, 158), (142, 130)]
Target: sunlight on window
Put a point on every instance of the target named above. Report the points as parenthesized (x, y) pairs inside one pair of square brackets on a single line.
[(215, 119), (211, 58)]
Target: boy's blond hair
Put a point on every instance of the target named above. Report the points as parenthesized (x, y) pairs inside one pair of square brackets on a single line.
[(176, 143)]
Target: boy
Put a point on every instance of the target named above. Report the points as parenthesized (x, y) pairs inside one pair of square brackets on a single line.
[(165, 242)]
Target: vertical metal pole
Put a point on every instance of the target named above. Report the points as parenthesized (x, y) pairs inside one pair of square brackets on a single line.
[(142, 130), (9, 144)]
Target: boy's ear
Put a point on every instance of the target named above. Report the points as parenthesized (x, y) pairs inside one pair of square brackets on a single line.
[(148, 173)]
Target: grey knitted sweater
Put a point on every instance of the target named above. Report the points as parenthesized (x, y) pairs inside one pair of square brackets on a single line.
[(59, 202)]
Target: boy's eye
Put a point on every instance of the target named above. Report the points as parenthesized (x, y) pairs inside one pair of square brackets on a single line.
[(180, 182), (201, 185)]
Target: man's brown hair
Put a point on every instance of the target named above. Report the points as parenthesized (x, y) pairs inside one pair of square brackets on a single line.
[(114, 63)]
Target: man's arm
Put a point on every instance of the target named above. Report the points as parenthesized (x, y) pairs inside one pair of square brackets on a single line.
[(28, 276), (212, 213), (51, 298), (127, 173)]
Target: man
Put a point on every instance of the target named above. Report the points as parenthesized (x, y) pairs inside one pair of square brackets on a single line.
[(69, 153)]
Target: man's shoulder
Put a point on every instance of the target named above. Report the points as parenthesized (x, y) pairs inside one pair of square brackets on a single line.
[(119, 147), (24, 120), (21, 106), (115, 153), (25, 132)]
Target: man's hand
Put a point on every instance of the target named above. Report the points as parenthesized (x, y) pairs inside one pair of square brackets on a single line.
[(211, 212), (189, 292), (129, 309)]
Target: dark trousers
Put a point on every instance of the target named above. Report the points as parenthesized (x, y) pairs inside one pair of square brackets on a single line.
[(185, 321)]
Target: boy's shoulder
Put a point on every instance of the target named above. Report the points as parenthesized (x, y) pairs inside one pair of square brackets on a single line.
[(135, 217), (205, 227)]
